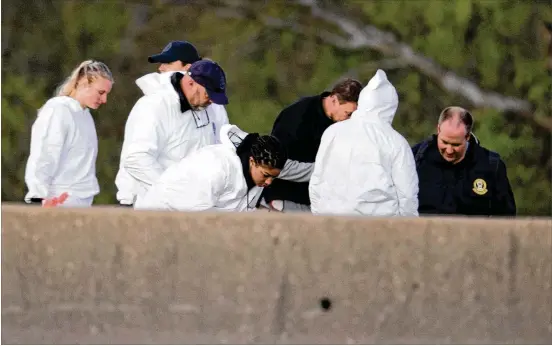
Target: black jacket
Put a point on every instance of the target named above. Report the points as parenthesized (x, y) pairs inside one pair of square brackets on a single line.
[(299, 127), (477, 185)]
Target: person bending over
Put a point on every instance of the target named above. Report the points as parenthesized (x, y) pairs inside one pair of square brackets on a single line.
[(223, 177)]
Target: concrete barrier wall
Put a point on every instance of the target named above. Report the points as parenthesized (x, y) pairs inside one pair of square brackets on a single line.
[(112, 275)]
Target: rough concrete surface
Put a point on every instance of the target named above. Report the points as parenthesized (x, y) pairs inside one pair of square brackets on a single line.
[(114, 275)]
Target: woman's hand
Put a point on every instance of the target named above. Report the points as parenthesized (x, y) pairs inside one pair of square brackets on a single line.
[(55, 201)]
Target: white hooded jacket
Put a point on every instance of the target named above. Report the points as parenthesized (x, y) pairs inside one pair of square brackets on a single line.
[(158, 135), (211, 178), (64, 147), (364, 166)]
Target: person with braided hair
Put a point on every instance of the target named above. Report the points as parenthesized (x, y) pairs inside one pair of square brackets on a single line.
[(64, 143), (222, 177)]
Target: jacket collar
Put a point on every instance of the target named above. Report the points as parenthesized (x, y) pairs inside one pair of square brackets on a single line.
[(324, 119), (175, 81)]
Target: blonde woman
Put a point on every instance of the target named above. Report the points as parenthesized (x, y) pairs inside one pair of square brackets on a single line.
[(64, 144)]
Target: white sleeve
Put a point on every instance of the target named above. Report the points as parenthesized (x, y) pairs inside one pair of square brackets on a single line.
[(47, 143), (296, 171), (316, 178), (194, 188), (143, 140), (405, 178)]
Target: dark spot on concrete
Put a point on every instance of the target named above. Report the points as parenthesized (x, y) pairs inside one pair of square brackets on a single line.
[(325, 304)]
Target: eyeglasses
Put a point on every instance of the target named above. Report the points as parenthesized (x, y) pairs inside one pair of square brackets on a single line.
[(201, 121)]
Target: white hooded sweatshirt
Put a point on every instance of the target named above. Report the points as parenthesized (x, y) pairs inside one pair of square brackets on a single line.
[(64, 147), (210, 178), (158, 135), (364, 166)]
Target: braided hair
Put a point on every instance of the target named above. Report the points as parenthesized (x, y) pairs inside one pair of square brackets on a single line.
[(265, 150)]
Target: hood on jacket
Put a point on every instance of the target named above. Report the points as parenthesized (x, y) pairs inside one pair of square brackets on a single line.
[(231, 135), (378, 99), (67, 101), (152, 82)]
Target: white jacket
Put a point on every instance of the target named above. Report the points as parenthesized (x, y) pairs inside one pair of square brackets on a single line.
[(209, 179), (64, 147), (364, 166), (158, 135)]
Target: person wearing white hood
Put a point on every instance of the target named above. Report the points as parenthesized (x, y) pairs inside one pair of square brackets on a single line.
[(64, 143), (364, 166), (223, 177), (171, 120)]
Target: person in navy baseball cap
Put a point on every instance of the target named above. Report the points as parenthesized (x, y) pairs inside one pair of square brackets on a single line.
[(210, 75), (176, 56)]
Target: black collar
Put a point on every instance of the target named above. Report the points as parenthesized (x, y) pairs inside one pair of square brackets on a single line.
[(244, 153), (324, 118), (175, 81)]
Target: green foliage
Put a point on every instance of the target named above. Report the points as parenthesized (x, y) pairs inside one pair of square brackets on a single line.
[(20, 103), (496, 44)]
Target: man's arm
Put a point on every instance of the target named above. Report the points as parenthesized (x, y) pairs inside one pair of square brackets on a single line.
[(297, 171), (286, 129), (143, 133), (504, 203)]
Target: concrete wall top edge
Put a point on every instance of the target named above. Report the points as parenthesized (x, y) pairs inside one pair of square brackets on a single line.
[(106, 211)]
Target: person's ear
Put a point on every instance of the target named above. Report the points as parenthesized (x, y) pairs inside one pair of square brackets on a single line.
[(187, 67), (82, 83), (187, 81)]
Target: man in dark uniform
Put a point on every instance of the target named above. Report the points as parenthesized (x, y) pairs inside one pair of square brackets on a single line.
[(457, 175), (300, 127)]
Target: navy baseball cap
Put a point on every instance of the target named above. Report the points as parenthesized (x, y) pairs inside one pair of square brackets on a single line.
[(176, 50), (210, 75)]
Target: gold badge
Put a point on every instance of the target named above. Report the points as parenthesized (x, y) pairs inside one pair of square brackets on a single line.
[(479, 186)]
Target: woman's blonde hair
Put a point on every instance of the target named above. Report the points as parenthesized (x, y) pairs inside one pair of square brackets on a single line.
[(89, 69)]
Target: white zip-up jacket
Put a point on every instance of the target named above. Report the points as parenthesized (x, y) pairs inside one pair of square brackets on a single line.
[(364, 166), (158, 135), (64, 147), (211, 179)]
